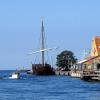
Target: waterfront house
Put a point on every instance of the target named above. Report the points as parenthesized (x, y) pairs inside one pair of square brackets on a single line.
[(92, 62), (90, 65)]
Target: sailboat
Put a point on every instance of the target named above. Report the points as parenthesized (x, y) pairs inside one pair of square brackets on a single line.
[(43, 68)]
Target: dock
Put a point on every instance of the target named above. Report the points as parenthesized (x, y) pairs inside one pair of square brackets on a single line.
[(66, 73), (90, 75), (76, 74)]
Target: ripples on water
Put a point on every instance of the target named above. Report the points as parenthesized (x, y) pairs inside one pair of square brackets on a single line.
[(48, 88)]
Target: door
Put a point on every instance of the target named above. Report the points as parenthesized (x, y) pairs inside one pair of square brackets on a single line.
[(98, 66)]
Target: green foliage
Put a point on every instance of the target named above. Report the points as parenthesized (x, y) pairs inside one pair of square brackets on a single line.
[(65, 59)]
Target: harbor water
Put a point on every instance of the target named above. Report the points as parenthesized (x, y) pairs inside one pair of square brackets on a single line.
[(31, 87)]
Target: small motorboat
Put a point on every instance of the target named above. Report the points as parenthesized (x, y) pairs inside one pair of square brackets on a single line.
[(15, 75)]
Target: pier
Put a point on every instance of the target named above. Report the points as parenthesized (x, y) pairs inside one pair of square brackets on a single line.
[(76, 74), (66, 73), (90, 75)]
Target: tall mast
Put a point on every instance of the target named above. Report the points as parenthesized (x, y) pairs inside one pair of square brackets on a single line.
[(42, 41)]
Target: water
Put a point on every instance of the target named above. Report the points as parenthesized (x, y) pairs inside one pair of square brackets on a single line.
[(47, 88)]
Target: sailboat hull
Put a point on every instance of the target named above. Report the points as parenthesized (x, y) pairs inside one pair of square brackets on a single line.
[(39, 69)]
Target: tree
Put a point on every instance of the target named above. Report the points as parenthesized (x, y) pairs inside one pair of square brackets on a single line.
[(65, 59)]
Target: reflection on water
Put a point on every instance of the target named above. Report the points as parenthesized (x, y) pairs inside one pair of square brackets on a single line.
[(48, 88)]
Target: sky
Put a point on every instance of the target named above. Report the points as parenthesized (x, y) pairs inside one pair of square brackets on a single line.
[(69, 25)]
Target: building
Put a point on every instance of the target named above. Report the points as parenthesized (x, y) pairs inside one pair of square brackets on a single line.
[(92, 62)]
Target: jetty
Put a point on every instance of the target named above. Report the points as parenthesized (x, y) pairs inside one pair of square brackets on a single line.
[(91, 75), (62, 73), (76, 74)]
